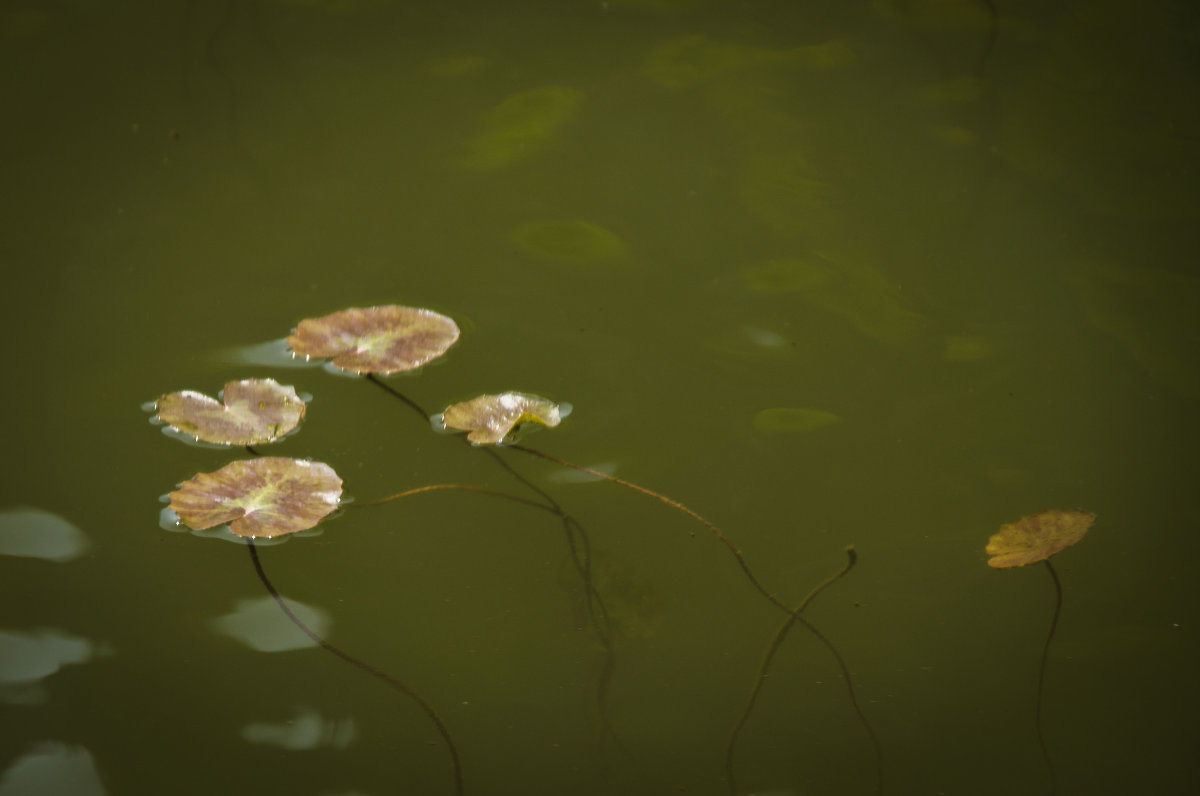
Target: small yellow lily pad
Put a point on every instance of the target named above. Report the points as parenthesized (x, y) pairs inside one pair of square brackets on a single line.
[(496, 419), (1037, 537)]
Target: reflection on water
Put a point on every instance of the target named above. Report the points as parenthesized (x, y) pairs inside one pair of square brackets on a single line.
[(262, 626), (52, 769), (36, 533), (27, 658), (306, 730)]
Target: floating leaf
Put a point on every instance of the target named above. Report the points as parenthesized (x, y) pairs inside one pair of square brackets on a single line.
[(386, 339), (251, 411), (1037, 537), (493, 419), (268, 496)]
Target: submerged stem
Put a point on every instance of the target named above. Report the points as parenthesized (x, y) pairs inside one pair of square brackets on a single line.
[(1041, 736), (366, 667), (737, 554), (383, 385), (794, 614), (780, 634)]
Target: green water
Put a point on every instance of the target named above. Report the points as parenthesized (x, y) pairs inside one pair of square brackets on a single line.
[(827, 273)]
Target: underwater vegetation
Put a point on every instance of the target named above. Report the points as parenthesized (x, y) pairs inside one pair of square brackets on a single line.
[(570, 241), (520, 126)]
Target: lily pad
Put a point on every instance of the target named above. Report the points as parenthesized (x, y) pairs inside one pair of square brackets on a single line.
[(387, 339), (494, 419), (269, 496), (250, 412), (1037, 537)]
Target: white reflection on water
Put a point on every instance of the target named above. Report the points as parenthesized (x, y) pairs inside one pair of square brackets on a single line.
[(34, 533), (26, 658), (52, 769), (168, 520), (307, 730), (275, 354), (261, 625)]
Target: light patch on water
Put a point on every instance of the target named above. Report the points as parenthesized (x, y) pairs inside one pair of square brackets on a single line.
[(274, 354), (764, 338), (169, 520), (52, 768), (308, 730), (262, 626), (34, 533), (27, 658)]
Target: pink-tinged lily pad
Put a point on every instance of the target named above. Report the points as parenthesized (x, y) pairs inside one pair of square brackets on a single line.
[(493, 419), (268, 496), (252, 411), (1037, 537), (383, 340)]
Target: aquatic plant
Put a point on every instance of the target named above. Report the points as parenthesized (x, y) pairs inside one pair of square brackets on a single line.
[(1031, 540), (266, 497)]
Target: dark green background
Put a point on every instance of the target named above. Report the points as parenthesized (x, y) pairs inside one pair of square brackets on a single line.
[(181, 179)]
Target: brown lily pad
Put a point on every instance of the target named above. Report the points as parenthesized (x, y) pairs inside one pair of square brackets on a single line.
[(387, 339), (1037, 537), (250, 412), (269, 496), (494, 419)]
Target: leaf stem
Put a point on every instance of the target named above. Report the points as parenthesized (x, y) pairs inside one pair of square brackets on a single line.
[(366, 667), (1041, 683)]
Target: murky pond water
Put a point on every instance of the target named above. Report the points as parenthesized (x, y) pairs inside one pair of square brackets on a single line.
[(886, 274)]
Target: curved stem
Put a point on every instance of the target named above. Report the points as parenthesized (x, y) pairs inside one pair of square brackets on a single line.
[(597, 612), (760, 680), (580, 556), (1041, 683), (737, 554), (438, 487), (383, 385), (366, 667)]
